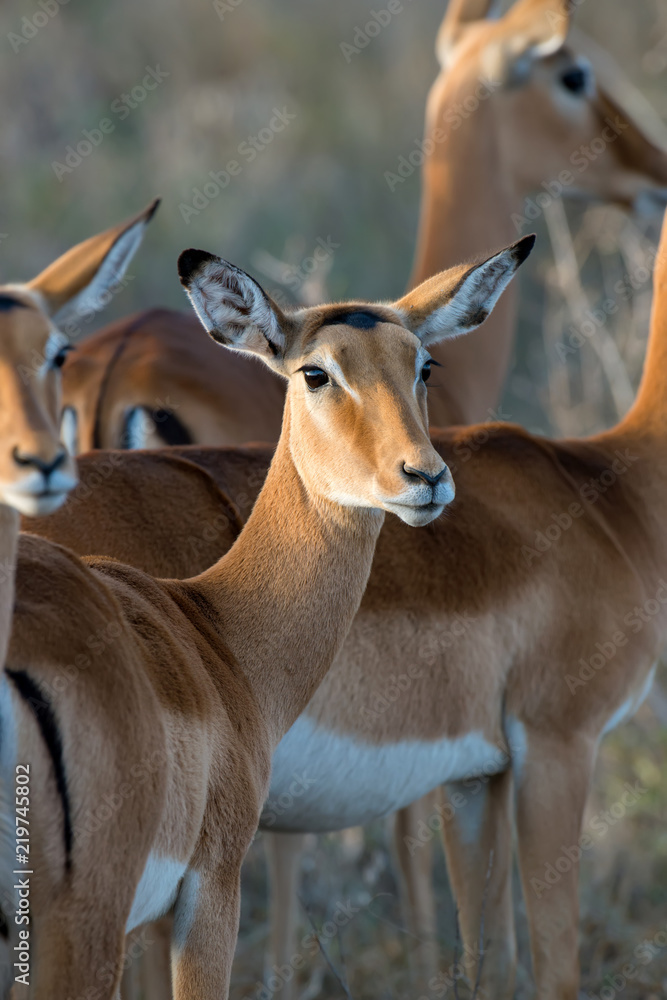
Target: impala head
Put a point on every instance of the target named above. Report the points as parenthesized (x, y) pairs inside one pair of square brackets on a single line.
[(551, 99), (357, 374), (36, 470)]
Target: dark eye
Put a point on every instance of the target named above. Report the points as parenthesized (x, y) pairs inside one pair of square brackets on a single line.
[(575, 79), (59, 360), (315, 378), (426, 372)]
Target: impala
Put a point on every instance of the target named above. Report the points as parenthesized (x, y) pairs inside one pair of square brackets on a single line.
[(154, 379), (112, 673), (36, 471), (508, 701), (514, 678)]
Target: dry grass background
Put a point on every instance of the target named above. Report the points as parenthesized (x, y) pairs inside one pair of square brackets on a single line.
[(323, 177)]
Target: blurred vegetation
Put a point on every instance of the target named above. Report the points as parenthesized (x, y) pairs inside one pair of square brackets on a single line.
[(227, 70)]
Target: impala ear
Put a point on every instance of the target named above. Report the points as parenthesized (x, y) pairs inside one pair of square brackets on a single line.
[(78, 283), (233, 307), (456, 301), (460, 15), (531, 30)]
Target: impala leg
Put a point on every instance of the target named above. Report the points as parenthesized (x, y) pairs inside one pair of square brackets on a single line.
[(552, 787), (206, 926), (77, 958), (477, 833), (415, 861), (283, 855), (148, 963), (129, 987)]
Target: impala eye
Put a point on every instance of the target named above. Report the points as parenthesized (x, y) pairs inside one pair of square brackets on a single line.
[(59, 359), (575, 79), (315, 378), (426, 370)]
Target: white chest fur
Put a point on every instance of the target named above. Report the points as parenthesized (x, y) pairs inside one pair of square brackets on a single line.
[(325, 781)]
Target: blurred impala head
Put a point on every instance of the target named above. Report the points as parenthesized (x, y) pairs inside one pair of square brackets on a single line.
[(36, 469), (563, 114)]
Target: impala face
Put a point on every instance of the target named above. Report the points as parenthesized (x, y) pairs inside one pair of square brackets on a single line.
[(356, 402), (36, 471), (358, 420), (553, 103)]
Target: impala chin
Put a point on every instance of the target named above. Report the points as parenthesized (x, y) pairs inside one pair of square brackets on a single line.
[(418, 508), (35, 496)]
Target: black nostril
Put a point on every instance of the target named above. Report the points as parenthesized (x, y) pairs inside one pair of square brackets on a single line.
[(424, 476), (46, 468)]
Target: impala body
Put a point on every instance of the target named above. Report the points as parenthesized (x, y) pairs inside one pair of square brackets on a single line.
[(36, 474), (162, 700)]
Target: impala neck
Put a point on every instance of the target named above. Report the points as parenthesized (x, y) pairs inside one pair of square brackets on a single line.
[(9, 534), (287, 591), (466, 210), (648, 416)]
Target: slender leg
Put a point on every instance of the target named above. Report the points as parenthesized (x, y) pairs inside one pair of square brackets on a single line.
[(415, 862), (71, 961), (148, 963), (477, 833), (283, 854), (129, 987), (552, 788), (206, 926)]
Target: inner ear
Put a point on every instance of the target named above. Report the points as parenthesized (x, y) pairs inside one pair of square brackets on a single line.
[(232, 306)]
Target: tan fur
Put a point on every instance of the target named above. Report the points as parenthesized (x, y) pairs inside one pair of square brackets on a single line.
[(535, 616), (207, 674)]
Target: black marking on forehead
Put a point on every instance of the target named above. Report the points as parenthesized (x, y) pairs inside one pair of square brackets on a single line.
[(361, 319), (8, 302)]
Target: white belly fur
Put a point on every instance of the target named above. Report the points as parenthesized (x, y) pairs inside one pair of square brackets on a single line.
[(324, 781), (631, 704), (157, 889)]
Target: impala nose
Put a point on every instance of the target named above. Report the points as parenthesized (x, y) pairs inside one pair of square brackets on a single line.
[(34, 461), (425, 476)]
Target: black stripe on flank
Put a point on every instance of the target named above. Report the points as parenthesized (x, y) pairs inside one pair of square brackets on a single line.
[(48, 726), (4, 926), (170, 428), (361, 319)]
